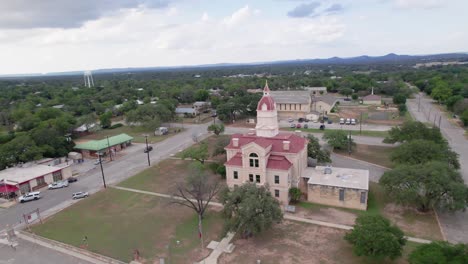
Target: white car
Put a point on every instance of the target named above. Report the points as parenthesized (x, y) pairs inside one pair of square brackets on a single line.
[(342, 121), (58, 185), (353, 121), (79, 195), (348, 121), (290, 120), (29, 197)]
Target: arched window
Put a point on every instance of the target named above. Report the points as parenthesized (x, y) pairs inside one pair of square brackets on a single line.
[(253, 160)]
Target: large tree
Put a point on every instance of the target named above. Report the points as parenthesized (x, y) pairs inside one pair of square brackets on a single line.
[(196, 193), (421, 151), (338, 139), (412, 130), (216, 128), (374, 236), (250, 209), (439, 252), (426, 185), (315, 151)]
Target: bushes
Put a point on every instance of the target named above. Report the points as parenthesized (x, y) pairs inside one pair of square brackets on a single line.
[(218, 169), (295, 194), (116, 126), (464, 117)]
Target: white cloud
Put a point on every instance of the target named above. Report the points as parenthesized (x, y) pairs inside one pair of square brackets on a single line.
[(238, 16), (418, 4)]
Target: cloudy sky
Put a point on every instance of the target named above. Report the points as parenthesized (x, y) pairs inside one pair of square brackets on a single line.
[(50, 35)]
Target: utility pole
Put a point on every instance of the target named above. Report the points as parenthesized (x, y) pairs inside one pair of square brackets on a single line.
[(102, 170), (349, 143), (360, 125), (147, 150), (108, 148), (440, 119)]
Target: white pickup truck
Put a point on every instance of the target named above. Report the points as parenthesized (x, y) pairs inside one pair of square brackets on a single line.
[(29, 197)]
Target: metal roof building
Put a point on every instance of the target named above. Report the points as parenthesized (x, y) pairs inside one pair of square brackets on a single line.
[(98, 145)]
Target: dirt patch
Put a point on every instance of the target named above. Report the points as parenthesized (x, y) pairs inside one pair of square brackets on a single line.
[(327, 214)]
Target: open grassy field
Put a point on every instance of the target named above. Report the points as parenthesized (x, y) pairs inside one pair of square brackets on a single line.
[(164, 176), (118, 222), (379, 155), (412, 222), (136, 132), (293, 242), (211, 142)]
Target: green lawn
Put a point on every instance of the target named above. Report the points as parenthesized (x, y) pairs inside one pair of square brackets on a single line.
[(379, 155), (211, 142), (116, 222), (368, 133), (136, 132)]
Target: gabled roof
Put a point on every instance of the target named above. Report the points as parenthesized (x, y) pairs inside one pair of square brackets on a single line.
[(277, 162), (97, 145), (328, 99), (296, 144), (372, 97), (236, 160)]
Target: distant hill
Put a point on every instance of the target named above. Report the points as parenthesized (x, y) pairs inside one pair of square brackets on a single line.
[(390, 58)]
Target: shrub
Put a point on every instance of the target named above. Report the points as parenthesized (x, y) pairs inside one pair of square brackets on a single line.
[(295, 194), (464, 117), (116, 126)]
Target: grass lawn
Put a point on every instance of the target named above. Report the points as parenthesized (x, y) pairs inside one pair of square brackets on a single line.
[(294, 242), (136, 132), (413, 223), (164, 176), (368, 133), (117, 222), (379, 155), (211, 141)]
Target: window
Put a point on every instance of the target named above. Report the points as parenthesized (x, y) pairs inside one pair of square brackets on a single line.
[(341, 194), (57, 176), (276, 179), (253, 160), (251, 177), (363, 197), (276, 193), (236, 175), (40, 181), (257, 178)]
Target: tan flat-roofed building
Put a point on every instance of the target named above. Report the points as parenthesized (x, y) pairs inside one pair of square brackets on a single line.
[(342, 187)]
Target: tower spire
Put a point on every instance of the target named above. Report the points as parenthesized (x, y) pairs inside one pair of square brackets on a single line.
[(266, 89)]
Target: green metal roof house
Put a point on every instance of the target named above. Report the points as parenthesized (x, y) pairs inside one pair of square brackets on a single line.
[(98, 145)]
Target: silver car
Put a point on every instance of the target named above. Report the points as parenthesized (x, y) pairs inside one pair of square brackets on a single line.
[(79, 195)]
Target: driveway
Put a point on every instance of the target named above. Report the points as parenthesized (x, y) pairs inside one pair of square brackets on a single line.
[(454, 225)]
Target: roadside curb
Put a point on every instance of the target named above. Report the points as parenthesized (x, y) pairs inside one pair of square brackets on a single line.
[(373, 164), (68, 249), (444, 237)]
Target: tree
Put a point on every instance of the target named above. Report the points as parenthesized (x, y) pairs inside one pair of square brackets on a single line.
[(338, 139), (221, 143), (295, 194), (441, 92), (354, 96), (402, 109), (464, 117), (250, 209), (196, 193), (105, 119), (452, 100), (216, 128), (198, 152), (427, 185), (439, 252), (346, 91), (314, 151), (421, 151), (411, 130), (399, 99), (201, 95), (374, 236)]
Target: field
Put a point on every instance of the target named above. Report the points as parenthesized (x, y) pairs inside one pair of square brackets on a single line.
[(136, 132), (413, 223), (118, 222), (163, 177), (379, 155), (293, 242), (374, 115)]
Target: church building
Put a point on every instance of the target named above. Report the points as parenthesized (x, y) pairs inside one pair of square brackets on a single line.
[(267, 157)]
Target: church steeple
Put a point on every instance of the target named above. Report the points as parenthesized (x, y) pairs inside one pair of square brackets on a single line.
[(267, 116)]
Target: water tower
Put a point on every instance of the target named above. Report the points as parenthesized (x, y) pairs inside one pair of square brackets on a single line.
[(88, 79)]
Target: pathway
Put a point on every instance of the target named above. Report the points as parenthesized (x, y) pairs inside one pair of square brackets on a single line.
[(454, 225)]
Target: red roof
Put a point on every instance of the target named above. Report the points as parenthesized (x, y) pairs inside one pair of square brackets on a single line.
[(266, 100), (8, 188), (296, 143), (235, 161), (277, 162)]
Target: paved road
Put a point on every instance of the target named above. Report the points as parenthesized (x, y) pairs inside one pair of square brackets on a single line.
[(126, 166), (29, 253), (454, 225), (367, 127)]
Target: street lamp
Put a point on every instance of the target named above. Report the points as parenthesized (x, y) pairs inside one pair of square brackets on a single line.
[(102, 170)]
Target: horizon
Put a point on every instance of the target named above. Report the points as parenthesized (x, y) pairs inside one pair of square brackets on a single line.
[(47, 37)]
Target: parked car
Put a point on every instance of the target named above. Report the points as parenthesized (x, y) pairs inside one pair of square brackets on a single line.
[(298, 126), (29, 197), (342, 121), (348, 121), (79, 195), (306, 126), (58, 184), (148, 149), (292, 125), (347, 99), (300, 120), (290, 120), (322, 127), (330, 121), (353, 121), (306, 120), (72, 179)]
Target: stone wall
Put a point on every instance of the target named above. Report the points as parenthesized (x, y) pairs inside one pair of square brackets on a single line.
[(329, 195)]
